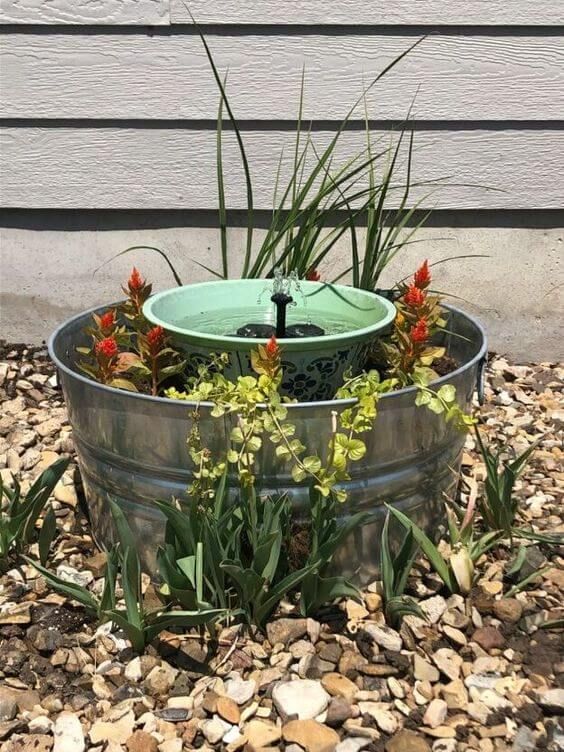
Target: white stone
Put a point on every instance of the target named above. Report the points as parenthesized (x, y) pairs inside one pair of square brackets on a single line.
[(240, 691), (68, 733), (40, 725), (385, 637), (353, 744), (385, 720), (434, 608), (303, 697), (435, 713), (69, 574), (133, 672), (214, 729)]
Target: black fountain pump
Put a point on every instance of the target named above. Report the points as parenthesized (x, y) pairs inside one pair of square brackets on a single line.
[(281, 299)]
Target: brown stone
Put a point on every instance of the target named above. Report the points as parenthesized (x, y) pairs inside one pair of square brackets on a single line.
[(286, 630), (311, 735), (339, 686), (228, 710), (141, 741), (489, 638), (261, 734), (508, 609), (407, 741)]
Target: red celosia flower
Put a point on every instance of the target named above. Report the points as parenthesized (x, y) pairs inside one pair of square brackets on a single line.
[(107, 320), (313, 275), (419, 332), (414, 296), (107, 347), (272, 348), (155, 339), (135, 281), (422, 276)]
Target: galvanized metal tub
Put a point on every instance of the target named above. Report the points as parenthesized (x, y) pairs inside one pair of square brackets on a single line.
[(132, 448)]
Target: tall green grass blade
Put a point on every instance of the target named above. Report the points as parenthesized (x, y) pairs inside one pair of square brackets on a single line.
[(145, 248), (221, 191)]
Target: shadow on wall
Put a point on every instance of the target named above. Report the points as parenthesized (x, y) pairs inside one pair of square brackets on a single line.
[(73, 220)]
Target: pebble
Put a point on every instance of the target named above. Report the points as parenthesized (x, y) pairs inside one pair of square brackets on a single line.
[(434, 608), (214, 729), (262, 734), (286, 631), (339, 686), (423, 670), (489, 638), (310, 735), (303, 697), (407, 741), (240, 691), (435, 713), (385, 637), (141, 741), (68, 734)]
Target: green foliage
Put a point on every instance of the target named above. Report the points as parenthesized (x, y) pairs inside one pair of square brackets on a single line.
[(456, 566), (394, 571), (236, 556), (19, 513), (140, 625), (499, 506)]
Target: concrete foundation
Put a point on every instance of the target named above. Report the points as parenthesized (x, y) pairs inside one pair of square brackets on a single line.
[(49, 262)]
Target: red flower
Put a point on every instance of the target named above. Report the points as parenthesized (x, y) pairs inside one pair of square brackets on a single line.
[(107, 347), (135, 281), (107, 320), (272, 348), (313, 275), (419, 332), (414, 296), (155, 339), (422, 276)]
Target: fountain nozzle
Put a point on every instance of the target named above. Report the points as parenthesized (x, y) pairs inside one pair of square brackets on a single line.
[(281, 300)]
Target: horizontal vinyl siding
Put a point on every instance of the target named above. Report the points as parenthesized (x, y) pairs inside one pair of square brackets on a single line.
[(111, 104)]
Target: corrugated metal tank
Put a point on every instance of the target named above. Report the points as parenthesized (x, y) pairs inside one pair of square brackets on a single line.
[(132, 448)]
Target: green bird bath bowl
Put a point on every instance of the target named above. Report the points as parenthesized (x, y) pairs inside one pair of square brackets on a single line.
[(322, 329)]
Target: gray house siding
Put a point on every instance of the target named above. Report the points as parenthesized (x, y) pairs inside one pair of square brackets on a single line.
[(110, 107)]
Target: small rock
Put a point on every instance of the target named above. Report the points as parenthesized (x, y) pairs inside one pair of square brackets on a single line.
[(262, 734), (525, 740), (488, 638), (171, 745), (286, 630), (552, 700), (311, 735), (303, 697), (214, 729), (115, 729), (424, 671), (141, 741), (8, 705), (434, 608), (160, 679), (449, 662), (384, 719), (228, 710), (47, 640), (68, 734), (455, 618), (133, 671), (352, 744), (455, 695), (339, 686), (385, 637), (338, 711), (508, 610), (69, 574), (240, 691), (41, 724), (435, 713), (407, 741)]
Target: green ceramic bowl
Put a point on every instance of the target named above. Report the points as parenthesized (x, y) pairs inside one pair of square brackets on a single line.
[(204, 318)]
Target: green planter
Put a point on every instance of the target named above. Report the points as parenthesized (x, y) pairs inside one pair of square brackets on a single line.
[(204, 318)]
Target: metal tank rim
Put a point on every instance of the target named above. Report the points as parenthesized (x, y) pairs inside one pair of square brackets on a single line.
[(51, 346)]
